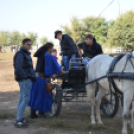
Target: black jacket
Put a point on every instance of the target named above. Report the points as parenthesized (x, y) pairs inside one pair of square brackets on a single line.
[(67, 45), (23, 67), (92, 51), (41, 60)]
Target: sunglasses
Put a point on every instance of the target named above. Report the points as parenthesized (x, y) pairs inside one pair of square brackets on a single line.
[(29, 44)]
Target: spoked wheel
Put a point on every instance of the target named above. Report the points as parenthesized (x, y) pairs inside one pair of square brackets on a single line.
[(110, 104), (57, 100)]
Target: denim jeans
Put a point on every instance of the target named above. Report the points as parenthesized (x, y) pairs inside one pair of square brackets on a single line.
[(24, 98), (66, 59), (86, 60)]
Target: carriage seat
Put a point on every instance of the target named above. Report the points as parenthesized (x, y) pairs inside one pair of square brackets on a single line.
[(76, 73)]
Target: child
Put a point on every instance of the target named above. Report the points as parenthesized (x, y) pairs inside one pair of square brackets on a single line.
[(54, 53)]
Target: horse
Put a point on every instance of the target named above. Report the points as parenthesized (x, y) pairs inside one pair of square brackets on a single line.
[(98, 67)]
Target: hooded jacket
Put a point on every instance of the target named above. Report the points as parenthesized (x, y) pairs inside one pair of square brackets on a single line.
[(41, 60), (92, 51), (68, 47), (23, 67)]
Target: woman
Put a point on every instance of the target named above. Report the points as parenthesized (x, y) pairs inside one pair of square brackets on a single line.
[(40, 100)]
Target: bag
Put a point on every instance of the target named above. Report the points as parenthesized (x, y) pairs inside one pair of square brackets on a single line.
[(49, 87)]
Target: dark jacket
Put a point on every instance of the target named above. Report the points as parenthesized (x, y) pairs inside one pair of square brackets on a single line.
[(23, 67), (41, 60), (92, 51), (68, 47)]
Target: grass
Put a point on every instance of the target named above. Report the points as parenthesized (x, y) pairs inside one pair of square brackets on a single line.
[(6, 114), (6, 56)]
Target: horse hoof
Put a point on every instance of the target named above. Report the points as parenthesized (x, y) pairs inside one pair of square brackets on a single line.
[(93, 122), (124, 132), (100, 123)]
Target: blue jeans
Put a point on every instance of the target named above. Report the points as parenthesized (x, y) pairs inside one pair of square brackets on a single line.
[(66, 59), (24, 98), (85, 61)]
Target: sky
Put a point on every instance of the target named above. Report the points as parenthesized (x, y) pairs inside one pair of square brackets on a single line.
[(46, 16)]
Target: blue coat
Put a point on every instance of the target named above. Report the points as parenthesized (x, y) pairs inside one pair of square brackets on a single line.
[(39, 97)]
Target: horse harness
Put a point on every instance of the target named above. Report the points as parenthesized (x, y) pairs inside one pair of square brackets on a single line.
[(119, 75)]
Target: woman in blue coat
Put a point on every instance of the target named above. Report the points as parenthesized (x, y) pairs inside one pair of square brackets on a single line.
[(47, 65)]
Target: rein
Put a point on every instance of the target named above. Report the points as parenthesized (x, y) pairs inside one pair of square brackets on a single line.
[(114, 75)]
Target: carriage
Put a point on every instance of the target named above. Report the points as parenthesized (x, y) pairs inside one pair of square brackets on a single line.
[(71, 88)]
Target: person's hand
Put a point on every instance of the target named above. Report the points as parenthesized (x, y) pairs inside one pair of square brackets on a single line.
[(63, 72), (53, 76)]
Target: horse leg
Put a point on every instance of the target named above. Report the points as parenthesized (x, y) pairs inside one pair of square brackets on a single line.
[(98, 98), (132, 116), (128, 96), (91, 95)]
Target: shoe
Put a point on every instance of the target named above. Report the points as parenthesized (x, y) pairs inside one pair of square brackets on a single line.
[(23, 120), (20, 124), (49, 114), (41, 116), (33, 116)]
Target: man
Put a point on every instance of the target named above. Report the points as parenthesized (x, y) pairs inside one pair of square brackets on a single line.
[(24, 74), (90, 47), (68, 48)]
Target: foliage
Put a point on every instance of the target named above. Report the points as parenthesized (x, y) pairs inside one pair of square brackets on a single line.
[(4, 38), (15, 38), (79, 28), (118, 32), (122, 32), (43, 40)]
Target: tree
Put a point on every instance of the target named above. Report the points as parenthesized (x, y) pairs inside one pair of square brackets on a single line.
[(4, 38), (14, 38), (79, 28), (43, 40), (122, 32), (33, 37)]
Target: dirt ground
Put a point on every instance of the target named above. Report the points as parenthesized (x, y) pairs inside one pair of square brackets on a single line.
[(73, 119)]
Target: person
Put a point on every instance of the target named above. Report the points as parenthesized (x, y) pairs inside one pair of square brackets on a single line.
[(68, 48), (0, 49), (54, 53), (24, 74), (47, 65), (14, 49), (90, 48)]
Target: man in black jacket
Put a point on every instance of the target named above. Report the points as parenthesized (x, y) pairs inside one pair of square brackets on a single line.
[(68, 48), (24, 74), (90, 47)]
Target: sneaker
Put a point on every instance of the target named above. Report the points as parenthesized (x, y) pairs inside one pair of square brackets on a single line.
[(23, 120), (20, 124), (49, 114)]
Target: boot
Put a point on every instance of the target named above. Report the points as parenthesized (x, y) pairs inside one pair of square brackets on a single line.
[(33, 114), (41, 115)]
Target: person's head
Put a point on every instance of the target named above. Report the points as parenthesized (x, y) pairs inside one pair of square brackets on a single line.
[(58, 34), (89, 39), (54, 52), (27, 44), (49, 47)]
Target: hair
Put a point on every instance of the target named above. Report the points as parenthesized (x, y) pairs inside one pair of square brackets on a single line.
[(90, 36), (26, 40), (48, 45), (54, 50)]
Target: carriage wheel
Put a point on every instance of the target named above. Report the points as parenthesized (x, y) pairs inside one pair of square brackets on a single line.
[(57, 100), (110, 104)]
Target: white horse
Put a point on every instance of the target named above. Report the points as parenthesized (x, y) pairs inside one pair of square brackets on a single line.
[(98, 67)]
